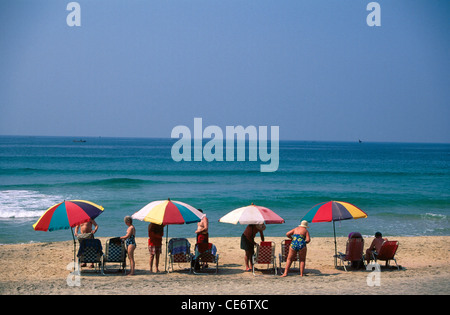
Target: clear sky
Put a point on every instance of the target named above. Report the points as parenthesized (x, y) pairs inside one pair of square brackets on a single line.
[(312, 67)]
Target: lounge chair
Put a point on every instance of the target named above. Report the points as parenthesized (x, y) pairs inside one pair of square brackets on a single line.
[(387, 253), (204, 254), (91, 252), (282, 257), (353, 253), (179, 252), (115, 252), (265, 254)]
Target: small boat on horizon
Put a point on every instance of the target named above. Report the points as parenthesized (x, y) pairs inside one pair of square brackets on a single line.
[(81, 140)]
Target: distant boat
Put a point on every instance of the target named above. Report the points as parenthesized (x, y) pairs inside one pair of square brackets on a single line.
[(79, 140), (360, 141)]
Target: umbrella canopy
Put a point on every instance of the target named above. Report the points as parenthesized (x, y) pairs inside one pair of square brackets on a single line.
[(165, 212), (67, 214), (252, 215), (332, 211)]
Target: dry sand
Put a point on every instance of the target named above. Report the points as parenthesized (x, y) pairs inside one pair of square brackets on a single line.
[(40, 268)]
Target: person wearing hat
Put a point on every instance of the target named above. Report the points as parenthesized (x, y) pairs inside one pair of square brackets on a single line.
[(300, 237)]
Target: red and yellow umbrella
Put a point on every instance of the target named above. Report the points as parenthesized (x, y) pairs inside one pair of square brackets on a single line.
[(165, 212)]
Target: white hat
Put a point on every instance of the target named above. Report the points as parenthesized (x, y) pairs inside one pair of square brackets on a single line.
[(304, 224)]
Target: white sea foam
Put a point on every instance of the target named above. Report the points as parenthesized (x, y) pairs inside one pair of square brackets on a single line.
[(24, 203), (434, 216)]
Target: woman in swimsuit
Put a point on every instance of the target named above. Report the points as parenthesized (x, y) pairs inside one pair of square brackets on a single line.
[(300, 237), (130, 242)]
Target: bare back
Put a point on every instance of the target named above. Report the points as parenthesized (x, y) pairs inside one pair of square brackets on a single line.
[(299, 230)]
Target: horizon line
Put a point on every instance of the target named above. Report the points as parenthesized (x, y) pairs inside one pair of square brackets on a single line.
[(169, 138)]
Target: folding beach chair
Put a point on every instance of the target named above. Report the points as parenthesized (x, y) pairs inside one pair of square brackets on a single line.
[(265, 254), (387, 253), (179, 252), (282, 257), (204, 254), (115, 252), (353, 253), (91, 252)]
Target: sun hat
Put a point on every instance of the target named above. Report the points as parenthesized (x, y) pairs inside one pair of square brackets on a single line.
[(304, 224)]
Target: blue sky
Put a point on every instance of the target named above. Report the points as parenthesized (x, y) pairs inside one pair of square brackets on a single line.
[(313, 68)]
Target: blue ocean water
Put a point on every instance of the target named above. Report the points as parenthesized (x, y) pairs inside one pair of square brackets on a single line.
[(403, 187)]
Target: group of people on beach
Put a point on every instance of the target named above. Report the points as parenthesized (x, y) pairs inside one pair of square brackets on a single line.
[(299, 236), (298, 247), (155, 236)]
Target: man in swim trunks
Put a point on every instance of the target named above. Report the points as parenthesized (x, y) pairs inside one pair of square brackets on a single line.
[(85, 229), (86, 233), (155, 235), (248, 242), (300, 237)]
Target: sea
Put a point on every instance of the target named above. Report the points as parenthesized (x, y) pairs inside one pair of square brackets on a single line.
[(403, 187)]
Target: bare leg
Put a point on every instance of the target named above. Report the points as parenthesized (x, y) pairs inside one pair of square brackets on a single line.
[(368, 255), (288, 265), (151, 263), (157, 262), (248, 260), (302, 259), (302, 268), (131, 249)]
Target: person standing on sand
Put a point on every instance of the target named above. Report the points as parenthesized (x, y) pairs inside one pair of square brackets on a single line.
[(130, 242), (155, 235), (248, 242), (202, 229), (300, 237)]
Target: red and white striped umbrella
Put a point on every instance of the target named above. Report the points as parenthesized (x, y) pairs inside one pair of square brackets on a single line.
[(252, 215)]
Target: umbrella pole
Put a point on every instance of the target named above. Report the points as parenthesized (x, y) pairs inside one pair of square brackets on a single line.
[(74, 249), (167, 237), (335, 247)]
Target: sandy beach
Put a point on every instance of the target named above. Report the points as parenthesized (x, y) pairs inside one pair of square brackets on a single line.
[(40, 268)]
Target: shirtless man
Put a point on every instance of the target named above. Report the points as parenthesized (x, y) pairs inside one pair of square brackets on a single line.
[(375, 246), (86, 232), (248, 242), (86, 228)]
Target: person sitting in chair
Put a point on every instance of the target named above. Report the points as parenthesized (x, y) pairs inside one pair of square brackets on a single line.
[(375, 246), (86, 233)]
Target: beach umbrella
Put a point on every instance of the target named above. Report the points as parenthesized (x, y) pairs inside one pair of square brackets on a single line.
[(252, 215), (68, 214), (332, 211), (166, 212)]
